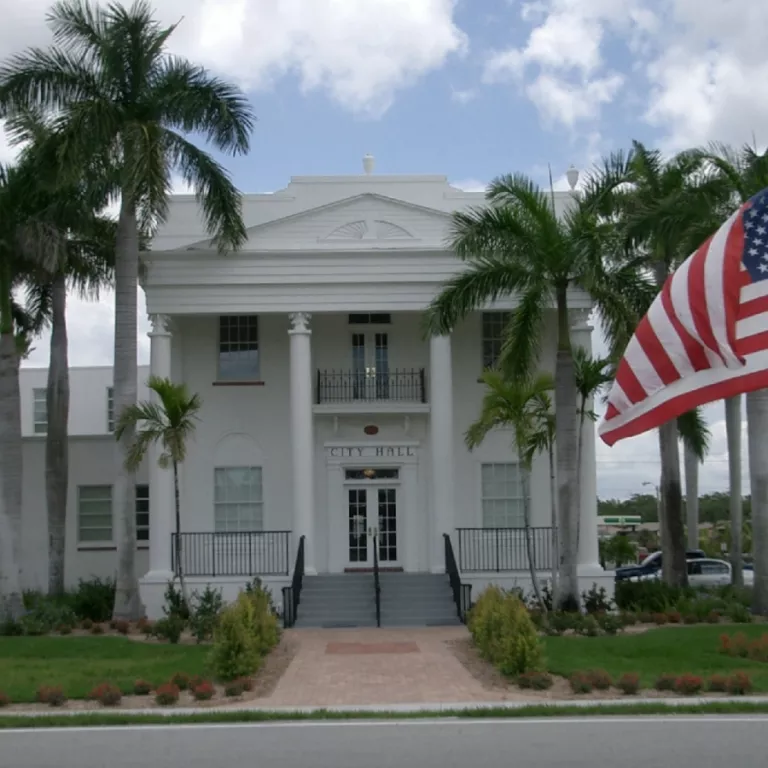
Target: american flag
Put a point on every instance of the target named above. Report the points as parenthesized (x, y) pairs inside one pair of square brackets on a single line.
[(705, 337)]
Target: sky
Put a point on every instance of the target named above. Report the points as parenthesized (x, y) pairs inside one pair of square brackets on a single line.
[(465, 88)]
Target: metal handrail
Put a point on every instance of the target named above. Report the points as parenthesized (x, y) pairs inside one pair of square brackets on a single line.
[(376, 579), (462, 593), (292, 594)]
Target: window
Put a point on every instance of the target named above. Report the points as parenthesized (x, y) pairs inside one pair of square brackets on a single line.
[(239, 348), (238, 502), (382, 318), (110, 409), (40, 411), (94, 513), (142, 513), (502, 496), (493, 333)]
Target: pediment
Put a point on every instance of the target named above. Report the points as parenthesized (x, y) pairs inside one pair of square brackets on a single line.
[(362, 221)]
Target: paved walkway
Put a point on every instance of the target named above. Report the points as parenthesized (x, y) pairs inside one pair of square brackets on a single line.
[(353, 667)]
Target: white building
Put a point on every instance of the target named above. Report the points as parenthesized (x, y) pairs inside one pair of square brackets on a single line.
[(327, 414)]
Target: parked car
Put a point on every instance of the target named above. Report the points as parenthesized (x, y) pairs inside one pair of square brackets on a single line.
[(709, 572), (651, 565)]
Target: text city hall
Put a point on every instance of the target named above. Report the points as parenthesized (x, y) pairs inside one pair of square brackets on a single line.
[(372, 451)]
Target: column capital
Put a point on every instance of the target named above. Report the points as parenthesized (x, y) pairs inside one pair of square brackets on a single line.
[(161, 325), (299, 322)]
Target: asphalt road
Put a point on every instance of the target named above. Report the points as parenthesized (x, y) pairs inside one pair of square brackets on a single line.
[(660, 742)]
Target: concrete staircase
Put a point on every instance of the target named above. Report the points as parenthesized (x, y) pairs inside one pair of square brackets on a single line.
[(348, 600)]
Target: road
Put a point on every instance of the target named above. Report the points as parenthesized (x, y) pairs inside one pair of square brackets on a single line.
[(659, 742)]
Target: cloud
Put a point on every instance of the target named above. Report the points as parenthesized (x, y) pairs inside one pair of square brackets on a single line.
[(463, 96), (470, 185), (360, 52)]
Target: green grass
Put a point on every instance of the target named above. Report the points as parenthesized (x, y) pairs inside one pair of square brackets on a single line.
[(538, 710), (78, 664), (670, 650)]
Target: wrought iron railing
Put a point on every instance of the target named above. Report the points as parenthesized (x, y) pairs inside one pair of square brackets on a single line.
[(292, 594), (241, 553), (407, 386), (376, 579), (503, 549), (462, 593)]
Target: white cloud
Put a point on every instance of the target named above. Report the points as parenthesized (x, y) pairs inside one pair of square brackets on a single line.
[(463, 96), (470, 185), (361, 52)]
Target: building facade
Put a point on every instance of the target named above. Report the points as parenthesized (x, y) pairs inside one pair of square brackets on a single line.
[(327, 413)]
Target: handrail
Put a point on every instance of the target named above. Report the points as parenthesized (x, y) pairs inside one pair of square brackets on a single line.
[(376, 580), (462, 593), (292, 594)]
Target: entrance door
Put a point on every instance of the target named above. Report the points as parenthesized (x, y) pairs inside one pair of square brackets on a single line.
[(370, 366), (372, 511)]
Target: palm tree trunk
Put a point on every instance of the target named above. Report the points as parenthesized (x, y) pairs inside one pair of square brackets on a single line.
[(56, 443), (529, 541), (555, 538), (577, 491), (179, 567), (757, 426), (127, 600), (566, 420), (691, 463), (733, 431), (674, 567)]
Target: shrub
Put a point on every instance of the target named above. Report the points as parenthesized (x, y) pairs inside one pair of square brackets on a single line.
[(645, 617), (205, 613), (53, 695), (561, 622), (599, 679), (4, 700), (204, 691), (142, 688), (652, 596), (739, 684), (505, 634), (587, 626), (713, 617), (64, 629), (538, 681), (757, 650), (689, 684), (580, 683), (738, 614), (717, 684), (628, 618), (233, 688), (738, 645), (629, 683), (122, 626), (11, 628), (86, 624), (610, 623), (167, 694), (175, 605), (169, 628), (94, 599), (690, 618), (596, 600), (660, 619), (97, 629), (106, 694), (674, 617), (665, 683), (181, 680), (146, 627), (246, 683)]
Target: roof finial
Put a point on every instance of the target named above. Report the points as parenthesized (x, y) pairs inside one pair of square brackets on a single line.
[(368, 163)]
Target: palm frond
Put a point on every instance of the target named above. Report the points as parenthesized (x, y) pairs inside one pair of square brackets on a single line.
[(521, 338), (695, 432)]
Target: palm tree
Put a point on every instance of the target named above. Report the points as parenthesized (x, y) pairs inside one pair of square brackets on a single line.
[(521, 405), (169, 423), (518, 247), (118, 96), (695, 437)]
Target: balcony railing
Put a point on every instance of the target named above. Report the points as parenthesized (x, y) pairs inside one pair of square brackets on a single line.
[(403, 386), (245, 553), (485, 550)]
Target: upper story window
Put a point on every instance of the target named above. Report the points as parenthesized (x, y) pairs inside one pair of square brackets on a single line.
[(40, 411), (381, 318), (239, 358), (110, 409), (493, 335)]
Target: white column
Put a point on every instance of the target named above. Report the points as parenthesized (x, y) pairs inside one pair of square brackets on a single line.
[(441, 447), (589, 558), (161, 499), (302, 442)]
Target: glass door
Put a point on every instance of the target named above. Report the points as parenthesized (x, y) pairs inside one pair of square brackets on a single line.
[(370, 366), (372, 511)]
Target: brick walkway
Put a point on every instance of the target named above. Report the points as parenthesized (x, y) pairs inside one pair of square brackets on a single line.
[(337, 667)]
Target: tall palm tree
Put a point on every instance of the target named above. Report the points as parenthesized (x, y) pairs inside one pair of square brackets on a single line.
[(517, 246), (521, 405), (169, 423), (119, 96), (695, 437)]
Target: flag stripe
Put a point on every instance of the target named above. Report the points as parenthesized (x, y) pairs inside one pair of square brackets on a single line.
[(654, 350), (691, 348), (697, 287)]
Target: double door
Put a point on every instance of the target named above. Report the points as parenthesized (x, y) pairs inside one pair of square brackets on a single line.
[(370, 366), (372, 516)]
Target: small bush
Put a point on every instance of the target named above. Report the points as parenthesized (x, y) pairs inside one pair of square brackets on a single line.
[(717, 684), (142, 688), (739, 645), (596, 600), (64, 629), (175, 606), (738, 614), (169, 628), (610, 623), (4, 700), (204, 691), (106, 694), (690, 618), (689, 685), (600, 679), (206, 608), (537, 681), (628, 618), (94, 599), (52, 695), (674, 617), (665, 683), (97, 629), (588, 626), (11, 628), (660, 619), (713, 617), (122, 626), (561, 622), (181, 680), (233, 688), (645, 617), (739, 684), (580, 683), (167, 694), (629, 683), (246, 683), (146, 627), (86, 624)]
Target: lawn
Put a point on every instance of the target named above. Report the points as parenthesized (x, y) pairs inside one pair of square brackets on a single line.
[(671, 650), (78, 664)]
